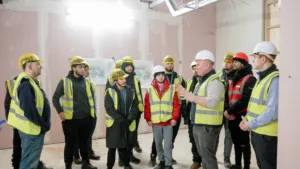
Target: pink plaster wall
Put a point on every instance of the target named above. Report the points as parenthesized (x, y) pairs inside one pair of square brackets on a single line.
[(19, 34), (289, 135)]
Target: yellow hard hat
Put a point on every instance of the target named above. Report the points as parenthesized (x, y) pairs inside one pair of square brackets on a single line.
[(77, 60), (127, 59), (168, 59), (87, 65), (118, 73), (228, 57), (28, 57), (118, 64)]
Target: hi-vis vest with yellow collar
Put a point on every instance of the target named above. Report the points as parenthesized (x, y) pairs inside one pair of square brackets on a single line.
[(257, 105), (137, 90), (209, 116), (16, 116), (189, 84), (67, 98), (10, 86), (109, 121), (161, 109)]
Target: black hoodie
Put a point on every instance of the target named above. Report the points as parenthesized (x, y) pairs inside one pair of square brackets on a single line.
[(243, 102), (81, 107)]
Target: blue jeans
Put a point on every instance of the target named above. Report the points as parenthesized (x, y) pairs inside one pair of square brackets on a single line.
[(32, 147)]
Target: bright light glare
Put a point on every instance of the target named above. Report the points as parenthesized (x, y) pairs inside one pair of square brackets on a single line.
[(99, 15)]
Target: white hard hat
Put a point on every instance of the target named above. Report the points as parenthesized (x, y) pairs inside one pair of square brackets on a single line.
[(194, 63), (158, 69), (205, 54), (265, 47)]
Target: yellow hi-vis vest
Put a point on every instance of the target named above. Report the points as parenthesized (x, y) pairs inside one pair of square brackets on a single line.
[(188, 85), (10, 86), (257, 105), (138, 94), (178, 80), (16, 116), (161, 109), (109, 121), (67, 98), (109, 79), (209, 116)]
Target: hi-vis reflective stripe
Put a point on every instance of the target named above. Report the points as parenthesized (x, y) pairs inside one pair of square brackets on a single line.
[(67, 99), (161, 102), (209, 112), (160, 112), (18, 104), (261, 100), (18, 115), (108, 118)]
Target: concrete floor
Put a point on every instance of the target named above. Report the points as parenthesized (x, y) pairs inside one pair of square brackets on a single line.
[(52, 155)]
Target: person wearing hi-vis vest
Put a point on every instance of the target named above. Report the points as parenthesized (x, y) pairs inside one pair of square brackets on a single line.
[(17, 149), (190, 86), (239, 91), (128, 67), (121, 107), (91, 152), (262, 115), (109, 81), (162, 110), (207, 108), (77, 111), (29, 111)]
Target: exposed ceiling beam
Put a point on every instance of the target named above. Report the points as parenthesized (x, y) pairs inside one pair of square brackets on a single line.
[(155, 3)]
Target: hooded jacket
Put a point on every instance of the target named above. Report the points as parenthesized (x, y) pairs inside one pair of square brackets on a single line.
[(176, 104), (243, 102)]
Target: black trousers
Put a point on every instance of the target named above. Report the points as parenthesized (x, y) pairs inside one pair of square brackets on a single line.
[(175, 132), (72, 129), (17, 150), (90, 148), (111, 156), (196, 157), (241, 141), (265, 148)]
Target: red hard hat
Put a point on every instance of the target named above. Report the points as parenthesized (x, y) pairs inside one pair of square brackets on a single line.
[(241, 55)]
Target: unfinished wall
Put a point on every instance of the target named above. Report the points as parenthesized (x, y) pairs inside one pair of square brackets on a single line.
[(288, 145), (239, 27), (41, 28)]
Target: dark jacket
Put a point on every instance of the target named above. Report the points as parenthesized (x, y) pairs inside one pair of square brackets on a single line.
[(243, 102), (187, 113), (7, 100), (176, 105), (226, 77), (118, 135), (27, 101), (171, 78), (81, 105), (130, 80)]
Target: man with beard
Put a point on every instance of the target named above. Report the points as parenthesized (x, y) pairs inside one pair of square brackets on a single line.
[(134, 83), (162, 109), (239, 92), (121, 109), (174, 78), (29, 113), (92, 154), (226, 76), (262, 113), (191, 84), (77, 111)]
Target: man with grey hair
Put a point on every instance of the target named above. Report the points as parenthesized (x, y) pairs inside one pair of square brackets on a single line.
[(207, 108)]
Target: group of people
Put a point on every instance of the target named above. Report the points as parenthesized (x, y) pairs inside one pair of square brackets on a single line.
[(208, 100)]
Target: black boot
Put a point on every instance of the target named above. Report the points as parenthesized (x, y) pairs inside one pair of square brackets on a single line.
[(120, 161), (161, 165), (87, 165), (152, 161), (236, 167), (77, 160), (68, 165), (42, 166), (133, 159), (247, 156), (137, 148), (169, 167), (93, 156)]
